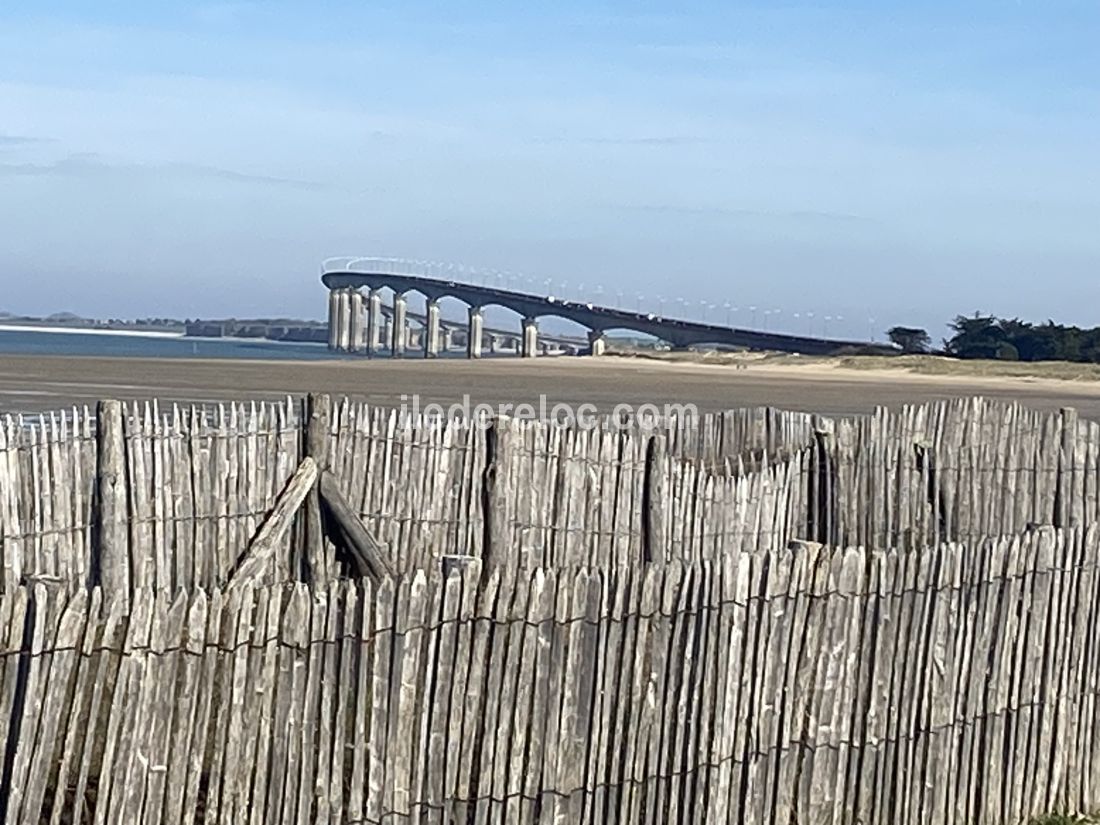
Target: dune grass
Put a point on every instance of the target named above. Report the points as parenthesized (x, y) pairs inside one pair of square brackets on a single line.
[(916, 364)]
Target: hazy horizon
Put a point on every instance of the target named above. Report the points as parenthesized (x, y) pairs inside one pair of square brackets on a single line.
[(845, 158)]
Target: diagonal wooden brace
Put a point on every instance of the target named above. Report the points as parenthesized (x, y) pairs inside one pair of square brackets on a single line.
[(365, 552), (257, 558)]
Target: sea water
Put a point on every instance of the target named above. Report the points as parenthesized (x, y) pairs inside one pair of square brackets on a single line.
[(137, 345)]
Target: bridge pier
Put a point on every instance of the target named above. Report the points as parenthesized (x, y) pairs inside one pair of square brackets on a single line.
[(333, 314), (397, 326), (357, 327), (448, 339), (343, 326), (474, 333), (529, 347), (597, 342), (431, 330), (374, 321)]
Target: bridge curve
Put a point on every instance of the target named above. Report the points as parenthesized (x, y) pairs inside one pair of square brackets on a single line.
[(343, 281)]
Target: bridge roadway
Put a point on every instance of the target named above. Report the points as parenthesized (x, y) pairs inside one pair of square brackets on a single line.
[(356, 320)]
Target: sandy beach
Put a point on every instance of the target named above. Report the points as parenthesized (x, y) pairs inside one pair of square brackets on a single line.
[(30, 383)]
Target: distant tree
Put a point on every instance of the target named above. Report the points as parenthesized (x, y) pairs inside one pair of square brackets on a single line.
[(1090, 345), (1010, 339), (912, 340), (979, 336)]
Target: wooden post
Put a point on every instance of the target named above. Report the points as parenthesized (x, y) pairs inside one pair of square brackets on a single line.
[(1066, 462), (822, 507), (496, 492), (654, 495), (318, 424), (111, 522)]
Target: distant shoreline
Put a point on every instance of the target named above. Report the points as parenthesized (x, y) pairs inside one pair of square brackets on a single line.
[(133, 333)]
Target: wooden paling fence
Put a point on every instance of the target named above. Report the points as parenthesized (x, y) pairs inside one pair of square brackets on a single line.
[(957, 471), (196, 483), (178, 494), (954, 685)]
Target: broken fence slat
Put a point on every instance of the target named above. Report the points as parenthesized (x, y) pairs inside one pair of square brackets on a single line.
[(257, 559), (367, 554)]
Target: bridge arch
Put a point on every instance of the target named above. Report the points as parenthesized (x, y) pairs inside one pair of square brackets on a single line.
[(618, 330)]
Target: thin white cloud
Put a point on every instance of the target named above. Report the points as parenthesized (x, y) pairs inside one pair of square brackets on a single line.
[(16, 141), (90, 165)]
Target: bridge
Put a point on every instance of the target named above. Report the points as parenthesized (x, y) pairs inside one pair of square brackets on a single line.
[(454, 334), (357, 322)]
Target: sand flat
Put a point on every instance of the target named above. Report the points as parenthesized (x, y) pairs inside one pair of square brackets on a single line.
[(30, 383)]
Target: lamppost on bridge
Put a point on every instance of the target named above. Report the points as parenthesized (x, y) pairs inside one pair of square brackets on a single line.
[(753, 311), (703, 305), (727, 306)]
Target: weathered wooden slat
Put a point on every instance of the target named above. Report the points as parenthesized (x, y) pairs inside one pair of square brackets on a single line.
[(322, 811), (112, 537), (404, 744), (287, 790), (257, 560), (187, 717), (317, 447), (264, 687), (443, 677), (96, 724), (345, 687), (34, 758), (116, 792), (310, 699), (379, 775), (361, 636), (79, 715), (159, 702), (365, 552)]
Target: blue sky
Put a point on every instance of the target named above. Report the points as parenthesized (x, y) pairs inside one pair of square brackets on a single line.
[(900, 162)]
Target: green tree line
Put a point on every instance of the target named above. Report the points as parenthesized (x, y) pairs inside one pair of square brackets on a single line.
[(1003, 339)]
